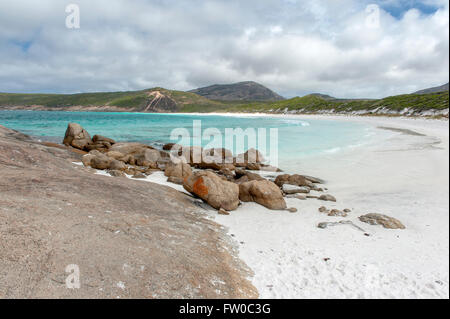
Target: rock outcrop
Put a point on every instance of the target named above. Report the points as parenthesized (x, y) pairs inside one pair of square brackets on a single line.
[(179, 170), (263, 192), (383, 220), (119, 232), (77, 137), (213, 190), (297, 180), (327, 197)]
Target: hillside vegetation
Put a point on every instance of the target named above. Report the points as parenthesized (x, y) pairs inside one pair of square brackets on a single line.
[(412, 103), (129, 101), (242, 91), (163, 100)]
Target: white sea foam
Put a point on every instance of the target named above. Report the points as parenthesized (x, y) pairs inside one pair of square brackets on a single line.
[(295, 122)]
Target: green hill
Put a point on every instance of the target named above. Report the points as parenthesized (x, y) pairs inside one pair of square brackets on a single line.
[(163, 100), (413, 103), (154, 100)]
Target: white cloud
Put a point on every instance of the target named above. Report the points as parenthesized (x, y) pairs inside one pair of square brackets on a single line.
[(292, 47)]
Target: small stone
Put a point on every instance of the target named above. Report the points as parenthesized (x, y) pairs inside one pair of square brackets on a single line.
[(139, 175), (322, 209), (384, 220), (175, 180), (327, 197), (337, 213), (223, 212), (347, 210), (116, 173), (293, 189), (323, 225), (292, 210)]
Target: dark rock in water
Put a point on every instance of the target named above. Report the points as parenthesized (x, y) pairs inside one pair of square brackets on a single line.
[(77, 137), (384, 220), (263, 192)]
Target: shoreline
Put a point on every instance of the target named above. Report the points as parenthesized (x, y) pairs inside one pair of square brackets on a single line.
[(292, 258), (110, 109)]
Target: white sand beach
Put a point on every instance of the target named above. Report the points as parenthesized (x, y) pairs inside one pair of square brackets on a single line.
[(404, 176)]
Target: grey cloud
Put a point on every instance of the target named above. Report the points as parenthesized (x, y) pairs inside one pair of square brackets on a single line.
[(294, 47)]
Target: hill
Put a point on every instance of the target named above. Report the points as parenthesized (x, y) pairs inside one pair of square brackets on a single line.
[(152, 100), (243, 91), (160, 100), (408, 104), (435, 89)]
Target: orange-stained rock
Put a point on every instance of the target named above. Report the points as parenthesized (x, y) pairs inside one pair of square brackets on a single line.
[(212, 189)]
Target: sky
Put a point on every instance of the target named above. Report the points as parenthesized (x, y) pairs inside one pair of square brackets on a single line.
[(344, 48)]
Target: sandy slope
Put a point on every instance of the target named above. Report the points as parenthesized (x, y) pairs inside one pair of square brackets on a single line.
[(404, 175)]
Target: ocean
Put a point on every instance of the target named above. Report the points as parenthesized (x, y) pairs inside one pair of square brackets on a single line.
[(293, 139)]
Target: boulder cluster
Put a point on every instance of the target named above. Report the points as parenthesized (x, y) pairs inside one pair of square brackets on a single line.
[(213, 175)]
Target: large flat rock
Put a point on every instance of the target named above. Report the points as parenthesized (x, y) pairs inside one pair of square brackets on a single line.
[(130, 239)]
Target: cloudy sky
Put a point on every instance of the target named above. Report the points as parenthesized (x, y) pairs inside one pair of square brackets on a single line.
[(295, 47)]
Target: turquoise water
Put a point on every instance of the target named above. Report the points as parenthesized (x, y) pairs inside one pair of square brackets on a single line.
[(297, 138)]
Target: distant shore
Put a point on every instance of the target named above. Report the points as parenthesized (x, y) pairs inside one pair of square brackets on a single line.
[(405, 176), (438, 114)]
